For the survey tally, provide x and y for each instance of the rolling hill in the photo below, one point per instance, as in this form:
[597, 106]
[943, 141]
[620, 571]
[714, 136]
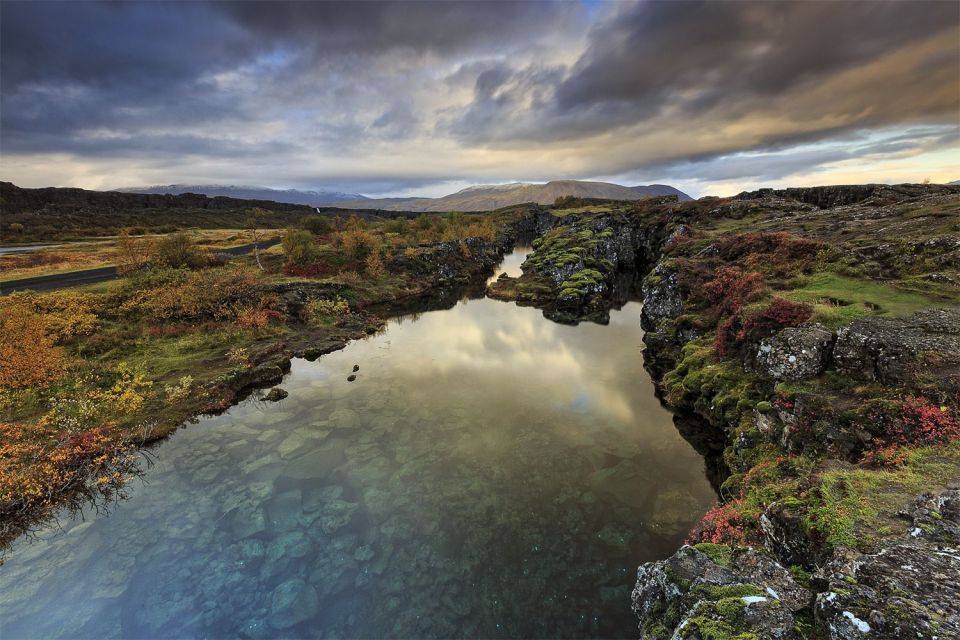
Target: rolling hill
[488, 197]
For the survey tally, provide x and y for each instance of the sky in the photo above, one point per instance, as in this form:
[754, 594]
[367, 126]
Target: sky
[422, 98]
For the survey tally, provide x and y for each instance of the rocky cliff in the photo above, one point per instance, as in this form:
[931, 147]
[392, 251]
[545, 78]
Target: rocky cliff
[812, 336]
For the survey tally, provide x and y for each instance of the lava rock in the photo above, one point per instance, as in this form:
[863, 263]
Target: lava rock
[899, 350]
[794, 353]
[291, 603]
[275, 394]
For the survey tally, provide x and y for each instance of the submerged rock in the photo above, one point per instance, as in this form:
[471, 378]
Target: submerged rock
[291, 603]
[275, 394]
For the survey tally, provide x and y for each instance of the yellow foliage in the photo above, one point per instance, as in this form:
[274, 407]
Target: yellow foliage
[66, 314]
[28, 357]
[374, 265]
[210, 293]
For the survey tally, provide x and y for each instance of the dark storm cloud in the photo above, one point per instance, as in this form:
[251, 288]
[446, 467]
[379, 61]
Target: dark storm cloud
[723, 60]
[71, 67]
[401, 94]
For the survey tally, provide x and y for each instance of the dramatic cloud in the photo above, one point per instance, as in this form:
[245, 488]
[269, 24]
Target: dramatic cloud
[396, 96]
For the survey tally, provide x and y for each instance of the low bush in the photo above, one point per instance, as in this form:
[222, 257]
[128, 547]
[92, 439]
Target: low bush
[321, 311]
[298, 247]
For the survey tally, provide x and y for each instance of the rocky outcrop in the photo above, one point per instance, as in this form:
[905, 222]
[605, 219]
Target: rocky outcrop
[908, 588]
[711, 591]
[830, 196]
[900, 350]
[794, 353]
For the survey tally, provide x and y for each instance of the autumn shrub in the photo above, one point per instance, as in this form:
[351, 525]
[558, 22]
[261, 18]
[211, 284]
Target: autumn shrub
[177, 250]
[924, 422]
[75, 445]
[250, 318]
[180, 391]
[298, 247]
[742, 329]
[373, 265]
[358, 243]
[167, 330]
[778, 252]
[731, 288]
[239, 357]
[779, 314]
[318, 225]
[28, 355]
[66, 314]
[197, 295]
[321, 311]
[38, 466]
[133, 254]
[723, 524]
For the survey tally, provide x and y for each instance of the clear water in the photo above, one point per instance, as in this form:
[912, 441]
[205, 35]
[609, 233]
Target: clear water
[488, 474]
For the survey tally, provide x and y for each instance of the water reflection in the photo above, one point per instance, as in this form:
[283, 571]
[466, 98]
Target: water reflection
[489, 474]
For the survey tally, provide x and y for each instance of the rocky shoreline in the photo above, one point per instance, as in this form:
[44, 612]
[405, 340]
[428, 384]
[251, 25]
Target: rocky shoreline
[819, 410]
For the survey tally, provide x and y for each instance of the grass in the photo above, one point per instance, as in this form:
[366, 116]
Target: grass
[858, 506]
[560, 213]
[838, 300]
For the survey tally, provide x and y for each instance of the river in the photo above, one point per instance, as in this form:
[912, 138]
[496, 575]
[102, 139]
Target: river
[488, 474]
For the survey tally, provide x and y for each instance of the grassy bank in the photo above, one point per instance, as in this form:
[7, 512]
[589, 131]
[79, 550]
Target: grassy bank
[87, 376]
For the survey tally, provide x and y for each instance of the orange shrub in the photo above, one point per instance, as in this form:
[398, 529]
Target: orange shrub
[28, 357]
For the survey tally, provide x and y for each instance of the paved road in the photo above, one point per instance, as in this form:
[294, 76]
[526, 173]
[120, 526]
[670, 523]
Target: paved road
[101, 274]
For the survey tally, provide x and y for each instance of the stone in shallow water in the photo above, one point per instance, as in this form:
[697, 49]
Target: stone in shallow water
[615, 536]
[284, 510]
[363, 553]
[344, 418]
[248, 520]
[334, 515]
[291, 603]
[672, 511]
[289, 545]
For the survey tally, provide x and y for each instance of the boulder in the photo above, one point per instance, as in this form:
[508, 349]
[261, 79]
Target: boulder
[662, 298]
[710, 590]
[291, 603]
[794, 353]
[275, 394]
[899, 350]
[907, 588]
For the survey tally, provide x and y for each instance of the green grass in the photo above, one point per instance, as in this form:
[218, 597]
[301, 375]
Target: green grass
[560, 213]
[838, 300]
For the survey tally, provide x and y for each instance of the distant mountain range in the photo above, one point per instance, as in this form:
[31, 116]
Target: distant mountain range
[480, 198]
[291, 196]
[487, 197]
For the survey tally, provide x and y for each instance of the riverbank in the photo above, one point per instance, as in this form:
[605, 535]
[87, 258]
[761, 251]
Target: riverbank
[91, 375]
[815, 334]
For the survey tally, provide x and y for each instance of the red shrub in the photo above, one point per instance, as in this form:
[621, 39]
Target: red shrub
[723, 524]
[731, 288]
[887, 456]
[778, 252]
[779, 314]
[726, 335]
[926, 423]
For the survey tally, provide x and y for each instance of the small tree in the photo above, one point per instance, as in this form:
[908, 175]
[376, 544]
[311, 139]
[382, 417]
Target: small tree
[298, 247]
[178, 250]
[132, 254]
[254, 219]
[318, 225]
